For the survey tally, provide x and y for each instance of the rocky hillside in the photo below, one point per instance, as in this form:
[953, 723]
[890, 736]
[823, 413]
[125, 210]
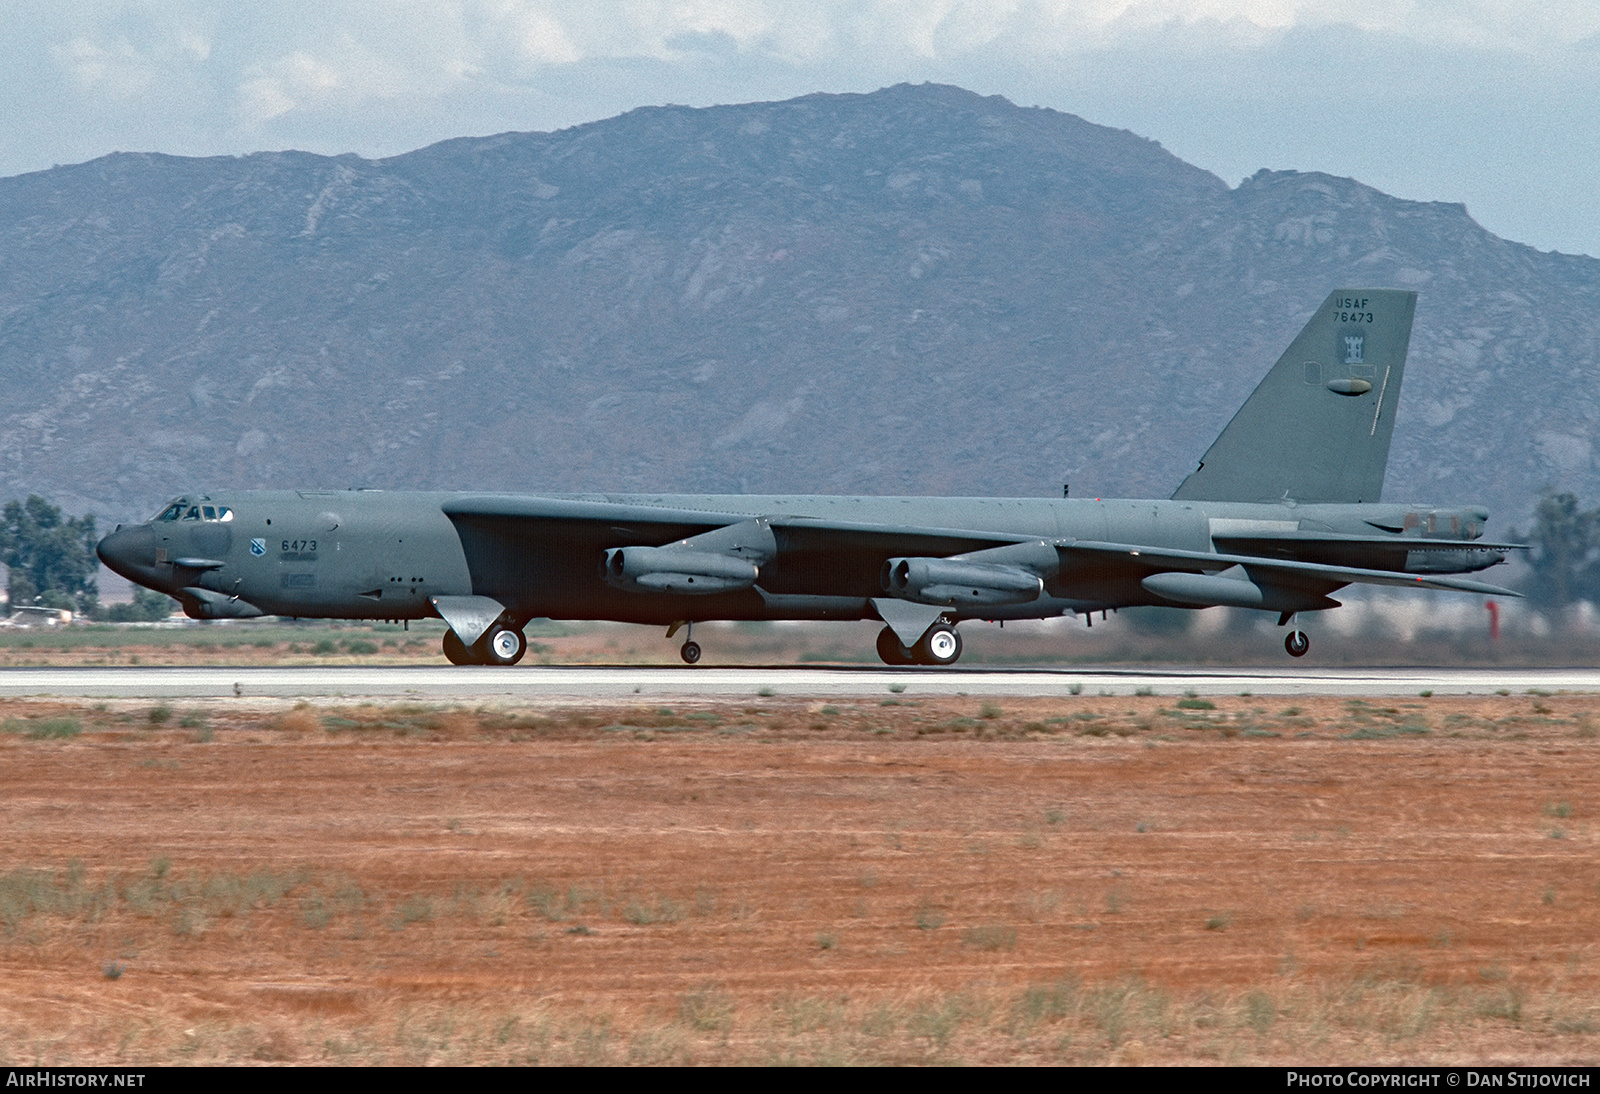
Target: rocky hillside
[915, 291]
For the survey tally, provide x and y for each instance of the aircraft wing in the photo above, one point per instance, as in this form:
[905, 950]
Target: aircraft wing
[589, 510]
[502, 536]
[817, 555]
[627, 517]
[1158, 559]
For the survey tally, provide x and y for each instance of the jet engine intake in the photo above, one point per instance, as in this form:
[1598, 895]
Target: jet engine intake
[671, 570]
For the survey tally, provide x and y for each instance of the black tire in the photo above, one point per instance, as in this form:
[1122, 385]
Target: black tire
[500, 645]
[1297, 644]
[891, 651]
[940, 646]
[690, 653]
[456, 651]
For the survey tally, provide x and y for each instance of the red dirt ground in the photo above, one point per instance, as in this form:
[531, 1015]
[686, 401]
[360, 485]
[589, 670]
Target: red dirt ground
[1079, 880]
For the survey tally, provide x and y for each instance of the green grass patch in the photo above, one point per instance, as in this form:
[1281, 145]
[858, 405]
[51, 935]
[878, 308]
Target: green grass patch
[991, 937]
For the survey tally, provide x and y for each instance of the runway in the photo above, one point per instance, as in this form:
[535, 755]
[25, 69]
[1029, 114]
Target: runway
[565, 684]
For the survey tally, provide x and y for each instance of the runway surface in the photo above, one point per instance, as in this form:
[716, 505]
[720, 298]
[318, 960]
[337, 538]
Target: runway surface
[605, 683]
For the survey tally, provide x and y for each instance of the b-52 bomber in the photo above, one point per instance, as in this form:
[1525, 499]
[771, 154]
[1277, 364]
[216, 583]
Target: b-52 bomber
[1282, 512]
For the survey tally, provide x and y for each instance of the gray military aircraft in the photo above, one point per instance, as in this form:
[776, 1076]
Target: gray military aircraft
[1282, 512]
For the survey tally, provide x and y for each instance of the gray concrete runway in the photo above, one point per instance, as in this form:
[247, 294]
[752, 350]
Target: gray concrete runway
[584, 683]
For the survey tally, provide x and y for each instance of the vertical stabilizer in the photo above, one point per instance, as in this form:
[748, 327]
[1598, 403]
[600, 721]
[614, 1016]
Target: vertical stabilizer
[1317, 429]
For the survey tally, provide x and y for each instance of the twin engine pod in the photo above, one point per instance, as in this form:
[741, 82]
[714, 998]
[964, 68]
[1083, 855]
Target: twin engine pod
[670, 570]
[951, 582]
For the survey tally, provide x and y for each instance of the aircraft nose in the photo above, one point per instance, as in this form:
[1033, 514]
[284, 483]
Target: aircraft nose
[131, 552]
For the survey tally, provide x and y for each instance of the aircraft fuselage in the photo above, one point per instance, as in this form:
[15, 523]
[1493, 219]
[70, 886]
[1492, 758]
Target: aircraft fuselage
[382, 555]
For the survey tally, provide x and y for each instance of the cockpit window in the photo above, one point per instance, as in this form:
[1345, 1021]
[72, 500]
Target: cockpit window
[182, 511]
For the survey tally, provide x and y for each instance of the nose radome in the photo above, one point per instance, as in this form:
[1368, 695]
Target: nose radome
[129, 550]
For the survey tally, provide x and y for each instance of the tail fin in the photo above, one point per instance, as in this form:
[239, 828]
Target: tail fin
[1317, 429]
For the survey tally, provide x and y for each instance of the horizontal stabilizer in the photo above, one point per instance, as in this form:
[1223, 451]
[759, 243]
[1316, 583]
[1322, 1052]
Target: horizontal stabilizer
[1162, 558]
[1460, 585]
[1341, 539]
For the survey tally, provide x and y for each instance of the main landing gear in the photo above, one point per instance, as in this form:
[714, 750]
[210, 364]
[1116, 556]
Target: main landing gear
[941, 645]
[499, 645]
[891, 652]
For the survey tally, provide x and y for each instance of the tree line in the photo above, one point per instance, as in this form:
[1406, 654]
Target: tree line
[50, 563]
[1563, 553]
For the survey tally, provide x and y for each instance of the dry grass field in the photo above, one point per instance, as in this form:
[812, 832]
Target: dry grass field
[1084, 880]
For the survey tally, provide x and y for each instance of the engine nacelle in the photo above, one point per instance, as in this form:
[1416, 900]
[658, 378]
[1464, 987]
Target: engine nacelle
[670, 570]
[952, 582]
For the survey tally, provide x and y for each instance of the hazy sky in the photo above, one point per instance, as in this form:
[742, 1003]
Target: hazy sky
[1495, 103]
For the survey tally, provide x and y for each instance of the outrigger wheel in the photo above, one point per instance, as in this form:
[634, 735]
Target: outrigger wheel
[1297, 644]
[690, 650]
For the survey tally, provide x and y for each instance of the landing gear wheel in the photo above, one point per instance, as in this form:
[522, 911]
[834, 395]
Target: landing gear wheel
[501, 646]
[940, 646]
[1297, 644]
[690, 653]
[891, 651]
[456, 651]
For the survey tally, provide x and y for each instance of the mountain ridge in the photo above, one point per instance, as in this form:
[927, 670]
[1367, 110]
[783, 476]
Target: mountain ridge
[974, 297]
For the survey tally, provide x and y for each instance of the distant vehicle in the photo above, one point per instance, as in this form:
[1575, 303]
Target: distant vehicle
[31, 615]
[1282, 512]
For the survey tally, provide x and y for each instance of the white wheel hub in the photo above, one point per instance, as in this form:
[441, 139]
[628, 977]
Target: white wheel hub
[942, 644]
[505, 645]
